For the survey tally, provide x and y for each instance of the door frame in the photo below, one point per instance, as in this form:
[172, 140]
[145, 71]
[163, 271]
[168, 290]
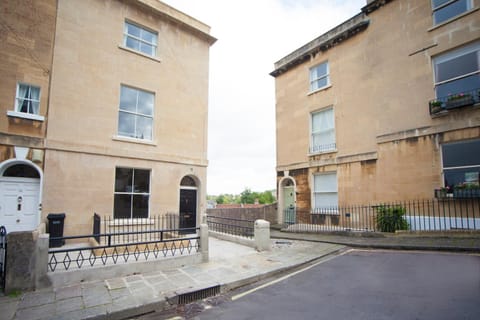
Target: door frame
[196, 189]
[281, 207]
[11, 162]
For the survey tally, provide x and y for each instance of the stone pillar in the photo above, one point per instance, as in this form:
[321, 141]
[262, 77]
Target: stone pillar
[27, 259]
[41, 263]
[262, 235]
[204, 242]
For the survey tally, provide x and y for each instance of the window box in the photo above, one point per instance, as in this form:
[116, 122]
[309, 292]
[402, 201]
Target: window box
[458, 101]
[466, 193]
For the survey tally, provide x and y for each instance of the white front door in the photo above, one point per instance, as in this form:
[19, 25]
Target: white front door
[19, 203]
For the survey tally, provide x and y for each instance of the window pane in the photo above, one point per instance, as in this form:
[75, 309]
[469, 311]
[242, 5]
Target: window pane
[132, 43]
[320, 71]
[123, 180]
[458, 154]
[145, 103]
[463, 85]
[147, 49]
[142, 181]
[149, 37]
[320, 83]
[128, 99]
[437, 3]
[326, 200]
[458, 66]
[126, 124]
[325, 182]
[144, 128]
[35, 93]
[23, 105]
[122, 206]
[455, 177]
[133, 30]
[140, 206]
[450, 11]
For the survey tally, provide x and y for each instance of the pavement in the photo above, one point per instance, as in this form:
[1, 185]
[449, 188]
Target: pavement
[230, 266]
[468, 241]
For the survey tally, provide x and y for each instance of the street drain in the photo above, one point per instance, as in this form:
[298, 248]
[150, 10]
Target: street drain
[186, 298]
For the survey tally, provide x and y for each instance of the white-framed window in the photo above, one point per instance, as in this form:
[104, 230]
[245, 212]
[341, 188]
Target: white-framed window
[140, 39]
[457, 71]
[322, 131]
[132, 193]
[27, 99]
[325, 190]
[319, 76]
[461, 163]
[444, 10]
[135, 117]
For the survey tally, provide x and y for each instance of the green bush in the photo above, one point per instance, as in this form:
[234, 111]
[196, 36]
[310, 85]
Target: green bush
[390, 219]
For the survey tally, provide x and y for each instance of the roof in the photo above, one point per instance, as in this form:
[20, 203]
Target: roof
[340, 33]
[178, 17]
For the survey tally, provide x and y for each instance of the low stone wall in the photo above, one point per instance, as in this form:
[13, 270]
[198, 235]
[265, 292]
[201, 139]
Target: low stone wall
[260, 241]
[267, 212]
[27, 263]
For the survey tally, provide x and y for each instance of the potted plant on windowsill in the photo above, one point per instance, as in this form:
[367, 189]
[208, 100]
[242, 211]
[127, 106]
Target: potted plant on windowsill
[443, 192]
[459, 100]
[467, 190]
[435, 106]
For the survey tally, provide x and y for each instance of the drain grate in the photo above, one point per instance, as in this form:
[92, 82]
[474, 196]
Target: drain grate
[186, 298]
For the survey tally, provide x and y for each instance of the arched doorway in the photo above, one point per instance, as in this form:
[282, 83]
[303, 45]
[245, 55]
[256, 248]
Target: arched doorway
[188, 204]
[20, 196]
[287, 200]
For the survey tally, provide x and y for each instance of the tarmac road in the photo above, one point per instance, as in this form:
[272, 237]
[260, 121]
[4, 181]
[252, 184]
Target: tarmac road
[364, 284]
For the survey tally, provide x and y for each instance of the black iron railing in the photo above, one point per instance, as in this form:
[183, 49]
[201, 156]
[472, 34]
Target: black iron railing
[3, 257]
[454, 101]
[122, 247]
[421, 215]
[237, 227]
[126, 230]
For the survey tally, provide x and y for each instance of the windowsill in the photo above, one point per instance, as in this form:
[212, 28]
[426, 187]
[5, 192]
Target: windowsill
[139, 53]
[466, 13]
[311, 154]
[133, 140]
[319, 89]
[24, 115]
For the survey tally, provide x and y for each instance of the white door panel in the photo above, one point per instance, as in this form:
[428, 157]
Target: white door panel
[19, 204]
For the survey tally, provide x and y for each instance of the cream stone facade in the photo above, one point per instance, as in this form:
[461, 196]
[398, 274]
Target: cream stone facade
[128, 95]
[27, 31]
[380, 75]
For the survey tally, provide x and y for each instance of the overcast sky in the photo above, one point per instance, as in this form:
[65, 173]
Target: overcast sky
[252, 35]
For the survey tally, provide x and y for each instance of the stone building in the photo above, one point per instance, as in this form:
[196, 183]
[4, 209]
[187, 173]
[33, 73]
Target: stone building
[122, 125]
[383, 107]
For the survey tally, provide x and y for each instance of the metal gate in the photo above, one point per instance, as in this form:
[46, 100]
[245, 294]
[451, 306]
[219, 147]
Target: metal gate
[3, 256]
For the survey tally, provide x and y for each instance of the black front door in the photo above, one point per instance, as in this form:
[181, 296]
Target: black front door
[188, 209]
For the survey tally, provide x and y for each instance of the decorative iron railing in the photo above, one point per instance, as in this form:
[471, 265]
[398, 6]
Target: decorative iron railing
[421, 215]
[453, 101]
[237, 227]
[122, 247]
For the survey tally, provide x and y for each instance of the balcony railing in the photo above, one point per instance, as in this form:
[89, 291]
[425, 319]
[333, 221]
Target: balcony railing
[454, 101]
